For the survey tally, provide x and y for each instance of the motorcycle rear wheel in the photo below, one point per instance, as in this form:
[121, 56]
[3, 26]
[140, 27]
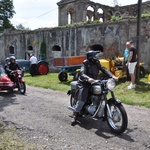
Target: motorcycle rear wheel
[119, 121]
[22, 87]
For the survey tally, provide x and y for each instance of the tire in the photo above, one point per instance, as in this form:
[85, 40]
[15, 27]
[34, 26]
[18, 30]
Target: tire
[73, 101]
[76, 75]
[62, 76]
[42, 68]
[142, 72]
[22, 87]
[119, 121]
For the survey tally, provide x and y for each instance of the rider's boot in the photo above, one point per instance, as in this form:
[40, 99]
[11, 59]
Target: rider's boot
[74, 119]
[76, 110]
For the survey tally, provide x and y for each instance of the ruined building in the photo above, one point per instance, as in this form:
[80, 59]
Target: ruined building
[76, 33]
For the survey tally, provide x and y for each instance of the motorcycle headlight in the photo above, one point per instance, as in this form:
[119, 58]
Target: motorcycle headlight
[110, 84]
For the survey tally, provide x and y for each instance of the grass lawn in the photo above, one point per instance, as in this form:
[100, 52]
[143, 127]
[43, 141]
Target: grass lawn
[139, 96]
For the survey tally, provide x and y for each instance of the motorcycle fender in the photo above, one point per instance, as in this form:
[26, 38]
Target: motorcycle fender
[115, 101]
[69, 92]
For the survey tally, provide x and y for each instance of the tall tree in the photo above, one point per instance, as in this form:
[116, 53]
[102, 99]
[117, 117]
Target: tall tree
[6, 13]
[21, 27]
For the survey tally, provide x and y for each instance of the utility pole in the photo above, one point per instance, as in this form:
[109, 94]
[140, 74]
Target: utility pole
[138, 36]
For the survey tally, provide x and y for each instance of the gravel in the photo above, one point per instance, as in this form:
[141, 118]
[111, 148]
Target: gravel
[41, 116]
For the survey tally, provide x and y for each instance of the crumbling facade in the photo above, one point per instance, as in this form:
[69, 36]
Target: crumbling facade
[74, 11]
[78, 39]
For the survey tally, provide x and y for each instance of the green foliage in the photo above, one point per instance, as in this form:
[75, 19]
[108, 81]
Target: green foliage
[114, 18]
[21, 27]
[139, 96]
[81, 23]
[49, 81]
[43, 50]
[6, 13]
[145, 15]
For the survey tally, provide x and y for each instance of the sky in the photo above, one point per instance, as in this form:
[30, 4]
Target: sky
[36, 14]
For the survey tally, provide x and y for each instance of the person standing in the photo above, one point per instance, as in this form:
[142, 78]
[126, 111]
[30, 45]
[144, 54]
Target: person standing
[131, 63]
[125, 60]
[33, 63]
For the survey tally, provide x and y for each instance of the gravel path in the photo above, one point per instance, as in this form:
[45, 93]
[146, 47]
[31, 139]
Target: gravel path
[42, 117]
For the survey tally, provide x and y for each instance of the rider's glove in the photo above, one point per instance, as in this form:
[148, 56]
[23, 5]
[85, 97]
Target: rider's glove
[11, 72]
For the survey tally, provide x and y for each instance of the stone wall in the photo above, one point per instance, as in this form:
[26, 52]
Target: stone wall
[77, 40]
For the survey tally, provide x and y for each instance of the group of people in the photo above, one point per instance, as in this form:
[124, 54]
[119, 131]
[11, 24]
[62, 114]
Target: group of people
[90, 70]
[88, 73]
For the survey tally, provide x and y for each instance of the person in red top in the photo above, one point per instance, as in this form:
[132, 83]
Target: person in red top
[131, 63]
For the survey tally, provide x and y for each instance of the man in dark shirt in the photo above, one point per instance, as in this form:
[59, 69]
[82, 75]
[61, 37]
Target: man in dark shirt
[131, 63]
[88, 73]
[12, 67]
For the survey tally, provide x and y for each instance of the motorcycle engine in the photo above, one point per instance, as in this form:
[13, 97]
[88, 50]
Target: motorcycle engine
[94, 102]
[91, 109]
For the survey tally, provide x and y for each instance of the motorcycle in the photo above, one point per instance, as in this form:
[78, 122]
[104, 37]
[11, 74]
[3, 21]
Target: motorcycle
[7, 84]
[99, 106]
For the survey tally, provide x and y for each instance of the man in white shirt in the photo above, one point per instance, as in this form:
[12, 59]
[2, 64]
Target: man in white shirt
[33, 63]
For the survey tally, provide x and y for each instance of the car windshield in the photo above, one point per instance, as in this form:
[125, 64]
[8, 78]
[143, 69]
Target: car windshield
[2, 71]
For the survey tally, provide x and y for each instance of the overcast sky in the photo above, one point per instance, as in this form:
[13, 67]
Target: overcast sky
[44, 13]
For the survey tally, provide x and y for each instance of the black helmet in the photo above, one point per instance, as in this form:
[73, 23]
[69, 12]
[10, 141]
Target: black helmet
[90, 55]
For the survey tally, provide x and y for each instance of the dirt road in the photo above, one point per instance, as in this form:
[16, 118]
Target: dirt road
[42, 117]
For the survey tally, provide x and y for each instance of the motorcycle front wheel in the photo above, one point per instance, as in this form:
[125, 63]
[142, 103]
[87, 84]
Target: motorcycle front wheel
[118, 120]
[73, 101]
[22, 87]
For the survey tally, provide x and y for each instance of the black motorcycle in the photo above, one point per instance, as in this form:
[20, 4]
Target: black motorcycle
[99, 105]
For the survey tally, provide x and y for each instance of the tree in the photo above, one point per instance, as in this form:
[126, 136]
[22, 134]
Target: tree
[6, 13]
[43, 50]
[21, 27]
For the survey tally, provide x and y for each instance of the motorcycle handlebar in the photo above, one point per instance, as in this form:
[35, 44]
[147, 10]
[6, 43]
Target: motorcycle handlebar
[101, 81]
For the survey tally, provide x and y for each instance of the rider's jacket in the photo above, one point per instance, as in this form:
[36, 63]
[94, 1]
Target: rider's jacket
[90, 69]
[12, 67]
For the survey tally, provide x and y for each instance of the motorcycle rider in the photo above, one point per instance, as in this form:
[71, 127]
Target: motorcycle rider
[12, 66]
[88, 73]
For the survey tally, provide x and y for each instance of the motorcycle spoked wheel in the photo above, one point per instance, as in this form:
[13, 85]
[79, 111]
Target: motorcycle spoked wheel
[22, 87]
[73, 101]
[119, 121]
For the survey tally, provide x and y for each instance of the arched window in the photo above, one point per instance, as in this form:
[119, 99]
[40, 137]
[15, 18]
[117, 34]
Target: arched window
[70, 15]
[69, 18]
[100, 14]
[11, 50]
[30, 48]
[56, 48]
[90, 13]
[96, 47]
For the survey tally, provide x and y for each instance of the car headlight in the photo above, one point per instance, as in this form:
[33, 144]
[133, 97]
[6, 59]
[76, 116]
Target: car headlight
[111, 84]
